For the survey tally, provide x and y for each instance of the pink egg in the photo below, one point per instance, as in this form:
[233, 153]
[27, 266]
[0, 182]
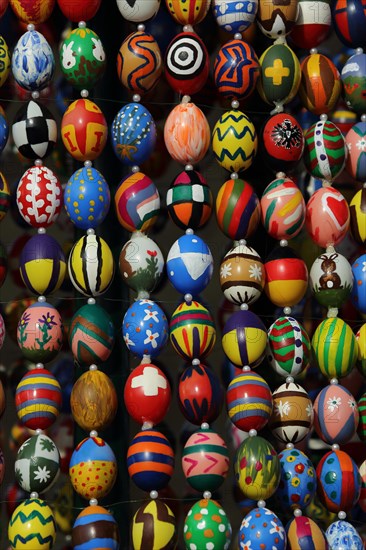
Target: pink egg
[356, 145]
[327, 217]
[335, 415]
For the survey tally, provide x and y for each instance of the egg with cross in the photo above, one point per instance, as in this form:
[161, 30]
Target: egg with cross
[331, 279]
[5, 63]
[93, 524]
[244, 339]
[81, 11]
[320, 84]
[276, 19]
[37, 464]
[283, 142]
[192, 330]
[335, 414]
[280, 74]
[206, 523]
[313, 23]
[325, 150]
[339, 481]
[353, 76]
[327, 217]
[264, 526]
[138, 11]
[289, 347]
[32, 521]
[349, 19]
[356, 146]
[141, 263]
[145, 328]
[188, 14]
[32, 62]
[154, 526]
[233, 16]
[359, 288]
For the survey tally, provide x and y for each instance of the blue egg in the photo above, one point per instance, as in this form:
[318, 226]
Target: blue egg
[298, 480]
[87, 198]
[133, 134]
[32, 62]
[4, 132]
[145, 328]
[358, 295]
[234, 15]
[341, 534]
[263, 529]
[189, 264]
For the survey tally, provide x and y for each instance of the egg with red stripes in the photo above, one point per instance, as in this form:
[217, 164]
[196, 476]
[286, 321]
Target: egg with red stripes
[339, 481]
[289, 347]
[325, 150]
[303, 533]
[349, 21]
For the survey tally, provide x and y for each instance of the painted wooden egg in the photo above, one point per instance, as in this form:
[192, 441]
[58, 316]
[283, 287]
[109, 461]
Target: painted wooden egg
[187, 134]
[298, 480]
[320, 86]
[5, 61]
[190, 14]
[200, 394]
[84, 130]
[356, 146]
[237, 209]
[244, 339]
[189, 200]
[286, 277]
[38, 399]
[344, 119]
[139, 62]
[93, 468]
[192, 330]
[32, 62]
[34, 11]
[138, 11]
[354, 82]
[280, 74]
[90, 265]
[4, 196]
[331, 279]
[145, 328]
[95, 524]
[325, 150]
[207, 524]
[133, 134]
[37, 464]
[335, 415]
[32, 525]
[82, 58]
[339, 481]
[276, 19]
[39, 196]
[349, 21]
[137, 202]
[327, 217]
[233, 16]
[83, 10]
[2, 332]
[341, 534]
[87, 198]
[154, 527]
[313, 23]
[359, 288]
[303, 533]
[362, 500]
[141, 263]
[234, 141]
[335, 348]
[263, 526]
[361, 341]
[283, 142]
[289, 347]
[34, 130]
[42, 264]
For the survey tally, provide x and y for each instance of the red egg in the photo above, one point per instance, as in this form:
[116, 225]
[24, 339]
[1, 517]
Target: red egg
[3, 6]
[81, 10]
[283, 142]
[313, 23]
[33, 11]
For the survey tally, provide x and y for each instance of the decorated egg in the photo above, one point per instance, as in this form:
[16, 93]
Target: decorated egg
[4, 196]
[145, 328]
[234, 141]
[133, 134]
[286, 277]
[283, 141]
[325, 150]
[331, 279]
[298, 480]
[339, 481]
[200, 394]
[312, 25]
[341, 534]
[320, 84]
[344, 119]
[237, 209]
[32, 525]
[93, 524]
[192, 330]
[2, 331]
[84, 130]
[141, 263]
[354, 82]
[356, 146]
[327, 217]
[303, 533]
[280, 74]
[362, 500]
[276, 19]
[5, 61]
[190, 14]
[37, 464]
[189, 200]
[40, 332]
[36, 11]
[2, 466]
[349, 19]
[206, 523]
[335, 415]
[361, 342]
[289, 348]
[4, 134]
[2, 400]
[42, 264]
[233, 16]
[359, 288]
[264, 528]
[244, 339]
[3, 265]
[153, 527]
[34, 130]
[139, 10]
[137, 202]
[335, 348]
[358, 216]
[187, 134]
[236, 69]
[3, 7]
[90, 265]
[38, 399]
[32, 62]
[82, 11]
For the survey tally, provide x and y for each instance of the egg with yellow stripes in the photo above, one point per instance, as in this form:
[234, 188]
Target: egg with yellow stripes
[154, 527]
[361, 342]
[32, 525]
[320, 85]
[286, 277]
[188, 13]
[192, 330]
[244, 339]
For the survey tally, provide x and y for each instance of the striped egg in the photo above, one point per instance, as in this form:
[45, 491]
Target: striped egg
[335, 414]
[313, 23]
[286, 277]
[339, 481]
[188, 14]
[361, 342]
[244, 339]
[320, 84]
[289, 348]
[356, 145]
[95, 525]
[303, 533]
[361, 407]
[237, 209]
[349, 19]
[236, 70]
[32, 525]
[192, 330]
[357, 209]
[325, 150]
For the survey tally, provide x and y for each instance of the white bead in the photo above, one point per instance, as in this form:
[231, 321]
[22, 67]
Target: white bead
[30, 27]
[363, 117]
[244, 307]
[234, 176]
[332, 312]
[143, 295]
[90, 231]
[35, 94]
[38, 162]
[342, 515]
[287, 310]
[323, 117]
[289, 380]
[289, 445]
[39, 366]
[186, 99]
[93, 502]
[41, 230]
[335, 447]
[141, 27]
[188, 28]
[136, 98]
[39, 431]
[207, 495]
[238, 36]
[41, 299]
[81, 24]
[246, 368]
[188, 298]
[188, 167]
[283, 242]
[88, 164]
[313, 51]
[333, 381]
[297, 512]
[235, 104]
[84, 94]
[196, 361]
[252, 432]
[147, 425]
[91, 301]
[93, 433]
[280, 175]
[261, 503]
[359, 51]
[205, 426]
[34, 494]
[93, 367]
[189, 231]
[242, 242]
[135, 169]
[154, 495]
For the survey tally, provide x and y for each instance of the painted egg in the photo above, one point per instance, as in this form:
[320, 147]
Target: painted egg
[139, 62]
[237, 209]
[2, 400]
[359, 288]
[303, 533]
[187, 134]
[82, 58]
[320, 86]
[186, 63]
[141, 263]
[138, 11]
[2, 331]
[154, 527]
[331, 279]
[145, 328]
[189, 200]
[298, 480]
[200, 394]
[37, 464]
[354, 82]
[236, 70]
[292, 416]
[87, 198]
[81, 11]
[233, 16]
[313, 23]
[339, 481]
[356, 146]
[344, 119]
[349, 21]
[362, 500]
[32, 525]
[190, 14]
[249, 401]
[192, 330]
[34, 11]
[34, 130]
[361, 342]
[5, 61]
[189, 264]
[286, 277]
[206, 523]
[4, 132]
[90, 265]
[289, 348]
[42, 264]
[280, 74]
[38, 399]
[283, 142]
[39, 196]
[325, 150]
[244, 339]
[84, 130]
[133, 134]
[2, 466]
[335, 415]
[276, 19]
[327, 217]
[32, 62]
[3, 7]
[3, 265]
[264, 528]
[95, 524]
[341, 534]
[137, 202]
[4, 196]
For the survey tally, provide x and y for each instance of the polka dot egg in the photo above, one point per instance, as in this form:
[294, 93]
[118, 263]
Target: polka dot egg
[207, 527]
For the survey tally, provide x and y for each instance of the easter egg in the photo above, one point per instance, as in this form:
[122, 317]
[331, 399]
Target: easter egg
[361, 342]
[335, 415]
[320, 84]
[154, 527]
[3, 264]
[3, 7]
[206, 523]
[32, 525]
[200, 394]
[2, 466]
[289, 348]
[137, 202]
[362, 500]
[5, 61]
[94, 526]
[286, 277]
[38, 399]
[2, 400]
[236, 69]
[40, 332]
[280, 74]
[283, 142]
[339, 481]
[37, 464]
[331, 279]
[356, 146]
[84, 130]
[349, 20]
[4, 132]
[244, 339]
[2, 331]
[4, 196]
[359, 288]
[39, 196]
[87, 198]
[234, 141]
[298, 480]
[81, 11]
[304, 534]
[327, 217]
[34, 130]
[262, 527]
[190, 14]
[313, 23]
[189, 200]
[186, 63]
[233, 16]
[42, 264]
[344, 119]
[237, 209]
[325, 150]
[141, 263]
[189, 264]
[341, 534]
[139, 62]
[138, 11]
[32, 62]
[133, 134]
[354, 82]
[192, 330]
[145, 328]
[90, 265]
[187, 134]
[34, 11]
[276, 19]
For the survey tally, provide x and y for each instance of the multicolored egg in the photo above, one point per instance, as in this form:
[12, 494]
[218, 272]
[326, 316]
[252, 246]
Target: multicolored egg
[190, 14]
[192, 330]
[286, 277]
[361, 341]
[335, 415]
[141, 263]
[298, 480]
[344, 119]
[313, 23]
[4, 196]
[320, 84]
[95, 525]
[32, 525]
[276, 19]
[331, 279]
[325, 150]
[35, 12]
[2, 331]
[362, 500]
[233, 16]
[145, 328]
[34, 130]
[37, 464]
[356, 147]
[303, 534]
[200, 394]
[339, 481]
[280, 74]
[283, 142]
[4, 131]
[154, 527]
[137, 202]
[189, 200]
[3, 264]
[32, 62]
[206, 523]
[349, 19]
[138, 11]
[327, 217]
[289, 348]
[84, 10]
[354, 82]
[341, 534]
[244, 339]
[236, 70]
[5, 61]
[263, 526]
[359, 288]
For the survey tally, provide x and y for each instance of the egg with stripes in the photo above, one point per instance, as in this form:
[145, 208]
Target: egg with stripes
[244, 339]
[325, 150]
[286, 277]
[312, 25]
[190, 13]
[32, 522]
[237, 209]
[303, 532]
[349, 20]
[289, 347]
[236, 69]
[192, 330]
[339, 481]
[95, 525]
[320, 86]
[154, 527]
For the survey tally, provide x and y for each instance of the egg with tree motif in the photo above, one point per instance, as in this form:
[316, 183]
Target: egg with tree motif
[189, 200]
[356, 146]
[154, 527]
[32, 62]
[339, 481]
[37, 464]
[40, 332]
[206, 523]
[138, 11]
[233, 16]
[276, 19]
[35, 11]
[33, 522]
[283, 142]
[358, 216]
[81, 11]
[141, 263]
[192, 330]
[145, 328]
[236, 69]
[95, 524]
[349, 20]
[331, 279]
[313, 23]
[237, 209]
[320, 86]
[335, 415]
[34, 130]
[303, 533]
[327, 217]
[280, 74]
[325, 150]
[289, 347]
[354, 82]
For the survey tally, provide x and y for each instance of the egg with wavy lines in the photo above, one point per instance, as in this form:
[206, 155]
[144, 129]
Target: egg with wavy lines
[32, 11]
[342, 534]
[236, 70]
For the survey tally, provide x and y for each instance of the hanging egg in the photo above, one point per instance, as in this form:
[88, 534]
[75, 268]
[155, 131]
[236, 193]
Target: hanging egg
[2, 405]
[145, 328]
[356, 146]
[236, 70]
[2, 335]
[5, 61]
[4, 133]
[286, 277]
[192, 330]
[320, 86]
[33, 522]
[303, 533]
[190, 14]
[276, 19]
[349, 21]
[83, 10]
[312, 25]
[32, 62]
[189, 200]
[4, 196]
[341, 534]
[233, 16]
[138, 11]
[3, 265]
[200, 394]
[34, 130]
[325, 150]
[280, 74]
[187, 134]
[361, 341]
[137, 202]
[359, 288]
[234, 141]
[37, 464]
[331, 279]
[35, 11]
[335, 415]
[95, 524]
[327, 217]
[206, 523]
[237, 209]
[2, 466]
[141, 263]
[344, 119]
[262, 525]
[244, 339]
[298, 480]
[3, 7]
[354, 82]
[153, 527]
[362, 500]
[283, 142]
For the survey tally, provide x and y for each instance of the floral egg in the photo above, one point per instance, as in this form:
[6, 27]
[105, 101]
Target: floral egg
[335, 415]
[141, 263]
[289, 347]
[153, 526]
[325, 150]
[33, 522]
[145, 328]
[320, 84]
[190, 14]
[36, 11]
[236, 69]
[339, 481]
[139, 10]
[261, 524]
[283, 142]
[313, 23]
[327, 217]
[192, 330]
[286, 277]
[32, 62]
[280, 74]
[233, 16]
[356, 146]
[200, 394]
[361, 341]
[354, 82]
[331, 279]
[359, 288]
[244, 339]
[83, 10]
[341, 534]
[37, 464]
[302, 532]
[237, 209]
[95, 523]
[4, 196]
[34, 130]
[5, 61]
[349, 20]
[276, 19]
[298, 480]
[189, 200]
[206, 523]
